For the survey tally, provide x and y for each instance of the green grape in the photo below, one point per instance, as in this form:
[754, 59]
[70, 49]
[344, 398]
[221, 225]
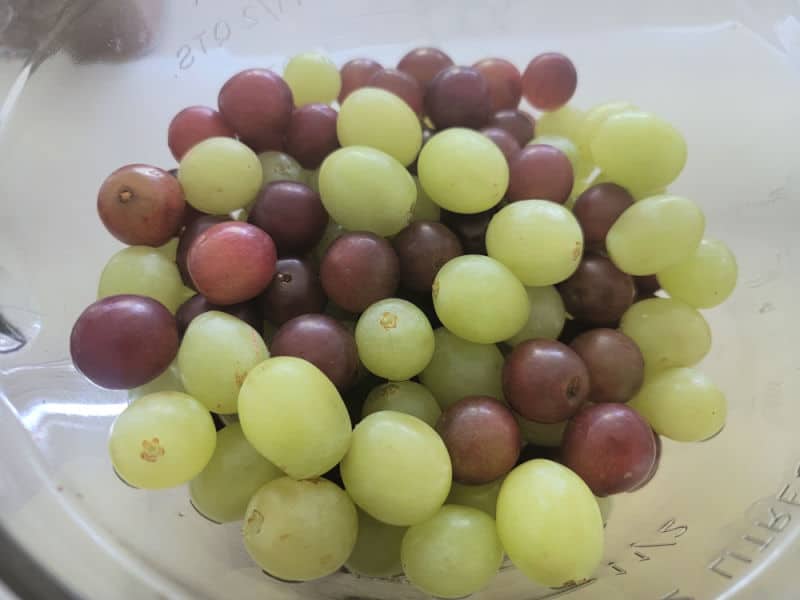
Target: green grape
[580, 185]
[463, 171]
[453, 554]
[639, 150]
[312, 77]
[580, 166]
[407, 397]
[170, 249]
[541, 434]
[567, 122]
[364, 189]
[235, 472]
[394, 339]
[219, 175]
[300, 530]
[540, 241]
[397, 469]
[655, 233]
[682, 404]
[379, 119]
[460, 368]
[642, 195]
[293, 415]
[549, 523]
[168, 381]
[483, 497]
[670, 333]
[277, 166]
[311, 179]
[162, 440]
[217, 352]
[593, 119]
[705, 279]
[377, 550]
[332, 232]
[425, 209]
[546, 315]
[144, 271]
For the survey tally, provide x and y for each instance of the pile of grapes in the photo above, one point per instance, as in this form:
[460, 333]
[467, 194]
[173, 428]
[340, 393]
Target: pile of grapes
[476, 289]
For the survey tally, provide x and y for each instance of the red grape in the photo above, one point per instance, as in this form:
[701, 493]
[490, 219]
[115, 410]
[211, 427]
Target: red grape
[249, 312]
[516, 122]
[355, 74]
[615, 364]
[598, 292]
[549, 81]
[295, 290]
[423, 248]
[505, 82]
[654, 470]
[540, 172]
[646, 286]
[423, 64]
[458, 97]
[508, 145]
[189, 235]
[598, 208]
[312, 134]
[193, 125]
[400, 84]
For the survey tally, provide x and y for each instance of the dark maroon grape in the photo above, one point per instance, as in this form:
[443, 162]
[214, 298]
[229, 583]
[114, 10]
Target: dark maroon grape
[193, 125]
[549, 81]
[355, 74]
[505, 82]
[598, 292]
[295, 290]
[190, 215]
[249, 312]
[610, 447]
[423, 64]
[656, 464]
[359, 269]
[516, 122]
[598, 208]
[292, 214]
[122, 342]
[646, 286]
[322, 341]
[423, 248]
[572, 329]
[505, 141]
[540, 172]
[615, 364]
[470, 229]
[312, 134]
[458, 97]
[545, 381]
[189, 235]
[400, 84]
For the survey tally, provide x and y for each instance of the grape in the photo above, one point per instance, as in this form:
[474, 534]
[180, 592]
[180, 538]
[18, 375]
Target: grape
[170, 249]
[540, 241]
[295, 290]
[505, 82]
[423, 64]
[379, 119]
[162, 440]
[460, 368]
[470, 229]
[458, 97]
[189, 235]
[540, 172]
[639, 151]
[397, 468]
[377, 551]
[572, 329]
[313, 78]
[516, 122]
[142, 271]
[425, 209]
[300, 530]
[193, 125]
[423, 248]
[646, 286]
[542, 504]
[482, 437]
[669, 332]
[703, 280]
[598, 208]
[292, 214]
[358, 270]
[607, 508]
[483, 497]
[453, 554]
[365, 189]
[549, 81]
[217, 352]
[292, 414]
[312, 134]
[394, 339]
[355, 74]
[249, 312]
[654, 234]
[615, 364]
[594, 118]
[479, 299]
[597, 293]
[277, 166]
[406, 397]
[568, 147]
[545, 381]
[402, 85]
[231, 262]
[235, 472]
[546, 317]
[505, 141]
[682, 404]
[168, 381]
[566, 122]
[546, 435]
[220, 175]
[141, 205]
[333, 231]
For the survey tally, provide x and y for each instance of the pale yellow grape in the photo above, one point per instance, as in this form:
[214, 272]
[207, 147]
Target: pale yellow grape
[655, 233]
[394, 339]
[364, 189]
[567, 122]
[670, 333]
[637, 195]
[460, 368]
[682, 404]
[332, 232]
[425, 209]
[217, 352]
[397, 469]
[540, 241]
[168, 381]
[483, 497]
[162, 440]
[549, 523]
[170, 249]
[580, 166]
[144, 271]
[453, 554]
[463, 171]
[278, 166]
[639, 151]
[705, 279]
[300, 530]
[479, 299]
[377, 550]
[548, 435]
[219, 175]
[312, 77]
[594, 118]
[546, 315]
[407, 397]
